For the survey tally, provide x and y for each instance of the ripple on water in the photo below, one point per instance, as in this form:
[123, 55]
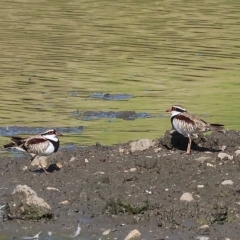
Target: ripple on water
[108, 96]
[17, 130]
[125, 115]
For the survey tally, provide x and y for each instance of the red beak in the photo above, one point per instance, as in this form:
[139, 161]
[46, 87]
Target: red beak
[58, 134]
[169, 110]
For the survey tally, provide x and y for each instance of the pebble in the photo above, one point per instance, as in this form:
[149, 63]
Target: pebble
[52, 188]
[106, 232]
[200, 186]
[237, 152]
[64, 202]
[204, 227]
[141, 145]
[25, 168]
[222, 155]
[227, 182]
[59, 165]
[202, 238]
[223, 147]
[99, 172]
[133, 169]
[187, 197]
[202, 159]
[86, 160]
[72, 159]
[37, 159]
[210, 165]
[121, 150]
[133, 234]
[157, 150]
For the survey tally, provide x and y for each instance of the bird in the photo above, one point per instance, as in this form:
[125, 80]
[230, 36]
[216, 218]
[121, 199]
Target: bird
[188, 124]
[43, 144]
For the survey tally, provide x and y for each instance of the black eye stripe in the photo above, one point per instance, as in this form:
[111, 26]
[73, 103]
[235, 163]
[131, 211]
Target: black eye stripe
[179, 109]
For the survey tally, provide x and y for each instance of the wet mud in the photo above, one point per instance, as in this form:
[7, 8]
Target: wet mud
[111, 188]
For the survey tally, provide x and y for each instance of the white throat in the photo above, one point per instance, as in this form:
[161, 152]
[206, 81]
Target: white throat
[52, 137]
[174, 113]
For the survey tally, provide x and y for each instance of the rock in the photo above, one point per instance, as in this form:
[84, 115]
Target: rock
[156, 150]
[187, 197]
[106, 232]
[204, 227]
[134, 234]
[52, 188]
[202, 159]
[121, 150]
[200, 186]
[141, 145]
[99, 172]
[223, 147]
[222, 156]
[59, 165]
[37, 159]
[86, 160]
[25, 168]
[133, 169]
[72, 159]
[65, 202]
[227, 182]
[202, 238]
[210, 165]
[26, 205]
[237, 152]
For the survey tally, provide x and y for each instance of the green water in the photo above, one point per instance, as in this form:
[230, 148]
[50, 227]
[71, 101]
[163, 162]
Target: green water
[161, 52]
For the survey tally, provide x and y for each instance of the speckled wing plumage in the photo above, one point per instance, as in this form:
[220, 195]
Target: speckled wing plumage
[187, 124]
[35, 144]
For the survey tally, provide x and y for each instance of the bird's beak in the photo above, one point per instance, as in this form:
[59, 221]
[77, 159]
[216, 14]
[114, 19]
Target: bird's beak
[58, 134]
[169, 110]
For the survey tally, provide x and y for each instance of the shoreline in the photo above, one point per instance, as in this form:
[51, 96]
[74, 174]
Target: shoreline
[110, 189]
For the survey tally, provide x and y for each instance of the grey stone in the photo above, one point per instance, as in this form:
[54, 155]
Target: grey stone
[26, 205]
[141, 145]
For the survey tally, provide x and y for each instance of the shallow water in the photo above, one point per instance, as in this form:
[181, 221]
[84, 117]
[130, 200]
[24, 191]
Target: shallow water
[56, 55]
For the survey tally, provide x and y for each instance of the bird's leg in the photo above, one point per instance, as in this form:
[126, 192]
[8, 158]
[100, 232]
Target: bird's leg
[33, 157]
[189, 145]
[40, 164]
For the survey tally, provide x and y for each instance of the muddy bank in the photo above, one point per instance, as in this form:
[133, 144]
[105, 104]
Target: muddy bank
[110, 187]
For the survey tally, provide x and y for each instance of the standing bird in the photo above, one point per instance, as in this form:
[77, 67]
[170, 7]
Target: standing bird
[187, 124]
[44, 144]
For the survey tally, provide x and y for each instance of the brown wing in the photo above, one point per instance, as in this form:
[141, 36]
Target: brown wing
[35, 140]
[194, 123]
[36, 145]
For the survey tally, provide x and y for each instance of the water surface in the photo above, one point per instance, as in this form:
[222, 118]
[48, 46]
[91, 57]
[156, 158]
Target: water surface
[56, 55]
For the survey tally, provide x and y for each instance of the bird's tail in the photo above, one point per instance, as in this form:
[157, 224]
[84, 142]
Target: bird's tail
[9, 145]
[17, 141]
[216, 127]
[15, 144]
